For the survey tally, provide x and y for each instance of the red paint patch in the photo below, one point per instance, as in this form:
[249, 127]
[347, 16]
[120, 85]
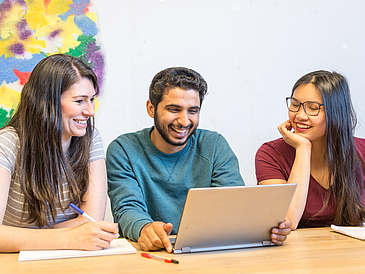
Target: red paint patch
[23, 76]
[86, 10]
[46, 3]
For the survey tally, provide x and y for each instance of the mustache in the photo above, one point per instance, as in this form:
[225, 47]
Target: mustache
[180, 127]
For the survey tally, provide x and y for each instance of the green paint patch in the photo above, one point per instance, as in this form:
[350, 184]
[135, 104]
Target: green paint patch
[83, 49]
[4, 116]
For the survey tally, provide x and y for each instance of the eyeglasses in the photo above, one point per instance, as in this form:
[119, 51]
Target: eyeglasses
[310, 108]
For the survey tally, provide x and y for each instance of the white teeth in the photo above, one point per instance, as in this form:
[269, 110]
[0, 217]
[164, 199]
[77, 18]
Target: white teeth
[302, 126]
[81, 122]
[180, 131]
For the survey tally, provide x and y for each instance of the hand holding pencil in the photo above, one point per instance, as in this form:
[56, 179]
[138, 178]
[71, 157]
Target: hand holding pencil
[92, 235]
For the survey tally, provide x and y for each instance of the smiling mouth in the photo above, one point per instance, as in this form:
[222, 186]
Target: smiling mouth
[180, 130]
[303, 126]
[82, 122]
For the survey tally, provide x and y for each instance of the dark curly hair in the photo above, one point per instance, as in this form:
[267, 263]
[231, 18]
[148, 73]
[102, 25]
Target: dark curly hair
[176, 77]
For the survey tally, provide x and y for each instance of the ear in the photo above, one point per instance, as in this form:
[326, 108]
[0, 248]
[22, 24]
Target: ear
[150, 109]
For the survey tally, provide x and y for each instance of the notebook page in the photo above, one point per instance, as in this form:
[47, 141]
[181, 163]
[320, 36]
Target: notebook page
[117, 247]
[357, 232]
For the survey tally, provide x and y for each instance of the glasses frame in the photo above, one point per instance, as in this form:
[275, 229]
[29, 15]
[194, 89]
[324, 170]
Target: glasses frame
[302, 104]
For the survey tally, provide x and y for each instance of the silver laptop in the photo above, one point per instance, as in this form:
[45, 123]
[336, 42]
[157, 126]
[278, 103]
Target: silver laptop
[220, 218]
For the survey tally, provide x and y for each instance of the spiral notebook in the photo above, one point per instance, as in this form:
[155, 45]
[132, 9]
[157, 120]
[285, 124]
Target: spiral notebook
[117, 247]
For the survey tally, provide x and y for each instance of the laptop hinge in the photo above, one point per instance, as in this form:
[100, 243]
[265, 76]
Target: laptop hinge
[186, 249]
[264, 243]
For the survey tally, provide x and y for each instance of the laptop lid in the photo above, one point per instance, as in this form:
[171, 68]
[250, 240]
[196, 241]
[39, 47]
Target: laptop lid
[219, 218]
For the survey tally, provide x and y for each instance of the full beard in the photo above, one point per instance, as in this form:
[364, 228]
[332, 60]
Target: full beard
[164, 134]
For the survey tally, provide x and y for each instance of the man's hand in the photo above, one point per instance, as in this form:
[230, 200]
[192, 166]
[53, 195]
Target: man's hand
[279, 234]
[154, 236]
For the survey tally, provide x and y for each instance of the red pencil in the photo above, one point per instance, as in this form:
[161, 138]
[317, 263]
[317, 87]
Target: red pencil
[150, 256]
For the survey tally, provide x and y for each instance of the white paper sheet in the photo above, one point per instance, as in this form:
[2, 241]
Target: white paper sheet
[357, 232]
[117, 247]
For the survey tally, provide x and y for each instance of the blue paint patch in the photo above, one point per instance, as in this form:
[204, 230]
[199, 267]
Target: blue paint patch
[1, 1]
[7, 66]
[86, 25]
[77, 8]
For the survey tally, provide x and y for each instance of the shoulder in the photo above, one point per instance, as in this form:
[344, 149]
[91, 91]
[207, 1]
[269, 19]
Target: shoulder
[8, 147]
[126, 149]
[273, 160]
[129, 142]
[209, 144]
[275, 145]
[8, 137]
[9, 133]
[360, 142]
[276, 149]
[96, 136]
[204, 137]
[129, 138]
[96, 149]
[360, 146]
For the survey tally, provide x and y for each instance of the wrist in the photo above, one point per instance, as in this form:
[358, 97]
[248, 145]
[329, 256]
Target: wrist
[65, 238]
[138, 229]
[306, 147]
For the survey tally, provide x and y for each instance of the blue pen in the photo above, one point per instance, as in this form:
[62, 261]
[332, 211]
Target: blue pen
[80, 212]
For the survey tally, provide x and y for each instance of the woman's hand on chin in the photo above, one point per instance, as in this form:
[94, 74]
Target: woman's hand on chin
[291, 138]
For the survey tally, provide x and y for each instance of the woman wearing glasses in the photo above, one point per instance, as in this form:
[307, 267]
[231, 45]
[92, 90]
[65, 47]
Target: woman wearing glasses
[318, 152]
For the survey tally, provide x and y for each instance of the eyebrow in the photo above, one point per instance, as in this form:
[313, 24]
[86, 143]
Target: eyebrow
[85, 96]
[178, 106]
[307, 101]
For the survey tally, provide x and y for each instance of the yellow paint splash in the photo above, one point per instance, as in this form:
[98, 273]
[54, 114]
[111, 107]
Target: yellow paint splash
[58, 6]
[44, 21]
[92, 16]
[30, 45]
[68, 32]
[35, 15]
[8, 24]
[9, 97]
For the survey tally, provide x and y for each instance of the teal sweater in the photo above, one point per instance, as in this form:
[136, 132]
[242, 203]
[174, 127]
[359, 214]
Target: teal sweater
[146, 185]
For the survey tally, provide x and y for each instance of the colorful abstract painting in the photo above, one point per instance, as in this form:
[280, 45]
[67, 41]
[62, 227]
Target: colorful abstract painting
[31, 30]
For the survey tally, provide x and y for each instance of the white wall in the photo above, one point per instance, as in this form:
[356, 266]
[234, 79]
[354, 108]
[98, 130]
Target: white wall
[250, 53]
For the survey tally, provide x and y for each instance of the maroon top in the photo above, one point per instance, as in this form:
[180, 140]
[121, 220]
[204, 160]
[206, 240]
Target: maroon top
[275, 159]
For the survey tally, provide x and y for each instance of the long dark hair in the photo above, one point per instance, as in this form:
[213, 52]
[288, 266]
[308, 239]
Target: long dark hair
[343, 161]
[45, 172]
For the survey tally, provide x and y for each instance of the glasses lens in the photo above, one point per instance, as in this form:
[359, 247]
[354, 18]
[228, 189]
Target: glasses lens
[311, 108]
[292, 104]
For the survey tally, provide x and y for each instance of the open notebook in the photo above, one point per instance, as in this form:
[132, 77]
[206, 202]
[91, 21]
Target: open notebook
[117, 247]
[357, 232]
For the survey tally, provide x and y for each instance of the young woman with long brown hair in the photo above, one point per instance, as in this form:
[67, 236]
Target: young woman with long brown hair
[50, 156]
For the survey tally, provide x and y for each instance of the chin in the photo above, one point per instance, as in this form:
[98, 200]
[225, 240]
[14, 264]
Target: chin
[80, 134]
[304, 135]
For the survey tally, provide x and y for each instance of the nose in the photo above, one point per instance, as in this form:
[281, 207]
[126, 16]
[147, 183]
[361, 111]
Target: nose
[89, 109]
[183, 119]
[301, 115]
